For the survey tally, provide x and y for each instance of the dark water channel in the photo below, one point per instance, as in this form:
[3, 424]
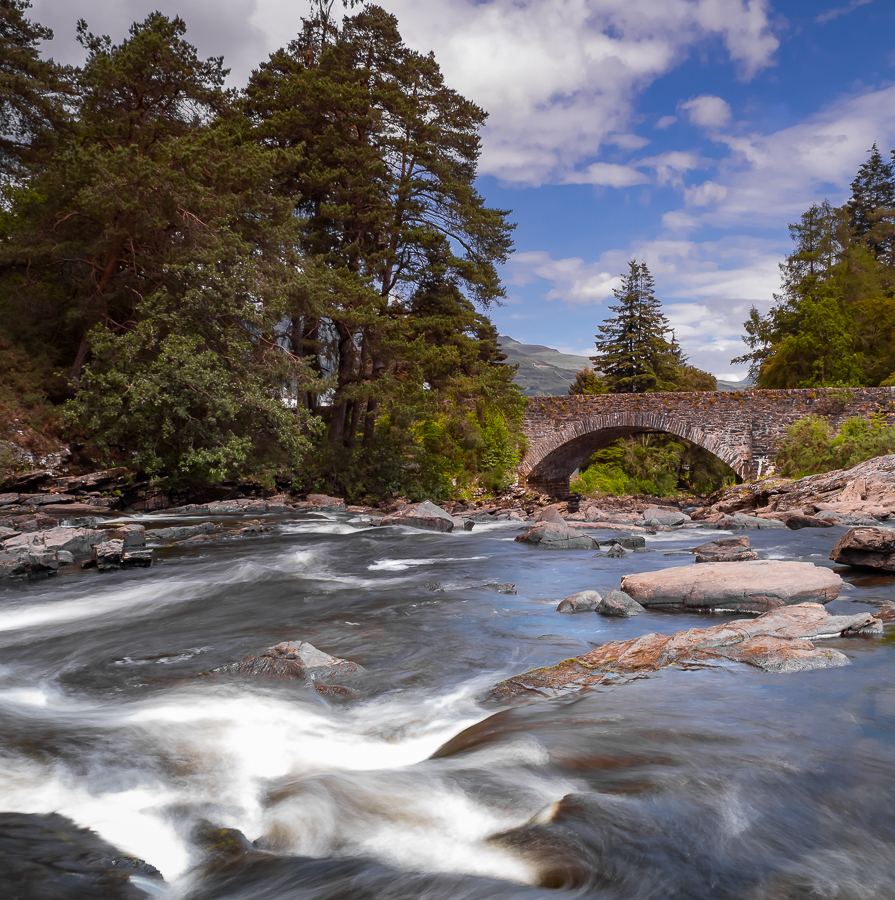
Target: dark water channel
[719, 782]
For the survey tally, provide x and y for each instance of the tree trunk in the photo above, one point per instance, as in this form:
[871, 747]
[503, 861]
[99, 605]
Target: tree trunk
[345, 375]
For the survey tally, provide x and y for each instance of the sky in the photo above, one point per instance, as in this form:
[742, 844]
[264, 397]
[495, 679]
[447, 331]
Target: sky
[684, 133]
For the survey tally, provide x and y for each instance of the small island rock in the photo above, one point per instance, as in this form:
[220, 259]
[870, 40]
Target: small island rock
[756, 586]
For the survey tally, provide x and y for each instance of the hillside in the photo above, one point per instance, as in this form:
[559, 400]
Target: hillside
[542, 370]
[545, 371]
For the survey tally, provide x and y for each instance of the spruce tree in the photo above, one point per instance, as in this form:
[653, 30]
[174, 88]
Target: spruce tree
[871, 209]
[633, 353]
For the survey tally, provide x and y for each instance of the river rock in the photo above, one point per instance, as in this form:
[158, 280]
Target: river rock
[424, 515]
[77, 541]
[111, 555]
[655, 515]
[617, 604]
[551, 536]
[779, 641]
[756, 586]
[133, 536]
[628, 542]
[48, 856]
[732, 549]
[179, 532]
[872, 548]
[290, 659]
[583, 601]
[28, 564]
[507, 587]
[795, 521]
[550, 514]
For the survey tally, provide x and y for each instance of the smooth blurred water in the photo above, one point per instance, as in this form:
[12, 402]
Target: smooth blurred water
[709, 783]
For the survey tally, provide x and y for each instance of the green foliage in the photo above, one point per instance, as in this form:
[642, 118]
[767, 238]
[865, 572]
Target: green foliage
[588, 382]
[224, 277]
[658, 465]
[833, 322]
[812, 446]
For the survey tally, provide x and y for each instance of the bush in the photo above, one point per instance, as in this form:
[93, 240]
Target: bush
[811, 446]
[658, 465]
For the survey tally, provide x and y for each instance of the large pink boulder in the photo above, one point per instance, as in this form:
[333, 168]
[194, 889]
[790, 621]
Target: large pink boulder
[756, 586]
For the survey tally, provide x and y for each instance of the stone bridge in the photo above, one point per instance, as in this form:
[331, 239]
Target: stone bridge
[743, 428]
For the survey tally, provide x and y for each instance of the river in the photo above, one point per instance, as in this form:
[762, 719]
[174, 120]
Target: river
[713, 782]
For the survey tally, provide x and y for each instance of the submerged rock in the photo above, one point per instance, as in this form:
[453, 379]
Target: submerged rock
[732, 549]
[506, 587]
[756, 586]
[289, 659]
[872, 548]
[551, 536]
[628, 542]
[778, 641]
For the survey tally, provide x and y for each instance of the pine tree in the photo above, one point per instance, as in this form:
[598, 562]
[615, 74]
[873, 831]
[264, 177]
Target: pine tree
[633, 353]
[32, 89]
[871, 209]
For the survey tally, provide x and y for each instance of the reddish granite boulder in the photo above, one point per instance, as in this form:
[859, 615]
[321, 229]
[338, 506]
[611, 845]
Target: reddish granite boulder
[756, 586]
[778, 641]
[872, 548]
[732, 549]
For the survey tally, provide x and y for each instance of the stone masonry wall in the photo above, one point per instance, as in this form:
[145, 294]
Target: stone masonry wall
[743, 428]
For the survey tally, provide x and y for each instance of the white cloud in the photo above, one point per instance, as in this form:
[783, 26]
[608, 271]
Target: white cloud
[665, 122]
[608, 174]
[705, 194]
[775, 177]
[671, 166]
[707, 111]
[706, 288]
[575, 282]
[558, 77]
[834, 13]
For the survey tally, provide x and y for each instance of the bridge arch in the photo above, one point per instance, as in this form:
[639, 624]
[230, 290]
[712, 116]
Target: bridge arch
[549, 463]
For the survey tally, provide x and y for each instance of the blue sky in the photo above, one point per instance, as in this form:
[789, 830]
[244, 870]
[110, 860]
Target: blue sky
[686, 133]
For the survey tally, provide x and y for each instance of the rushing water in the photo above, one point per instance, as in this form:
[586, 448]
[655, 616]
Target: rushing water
[717, 782]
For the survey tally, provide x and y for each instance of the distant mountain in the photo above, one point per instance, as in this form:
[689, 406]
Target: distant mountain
[544, 371]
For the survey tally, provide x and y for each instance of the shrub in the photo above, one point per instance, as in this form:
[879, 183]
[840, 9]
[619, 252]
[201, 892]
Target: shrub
[811, 446]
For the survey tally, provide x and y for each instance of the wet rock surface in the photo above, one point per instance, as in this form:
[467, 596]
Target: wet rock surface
[872, 548]
[756, 586]
[777, 641]
[290, 659]
[553, 536]
[47, 857]
[733, 549]
[424, 515]
[583, 601]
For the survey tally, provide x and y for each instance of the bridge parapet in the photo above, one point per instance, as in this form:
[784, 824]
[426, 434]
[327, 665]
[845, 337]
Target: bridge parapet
[743, 428]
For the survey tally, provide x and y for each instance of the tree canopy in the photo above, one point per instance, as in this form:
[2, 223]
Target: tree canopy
[221, 277]
[833, 322]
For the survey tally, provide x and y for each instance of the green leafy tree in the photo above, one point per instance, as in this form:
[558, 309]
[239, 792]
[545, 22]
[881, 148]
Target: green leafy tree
[633, 352]
[871, 208]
